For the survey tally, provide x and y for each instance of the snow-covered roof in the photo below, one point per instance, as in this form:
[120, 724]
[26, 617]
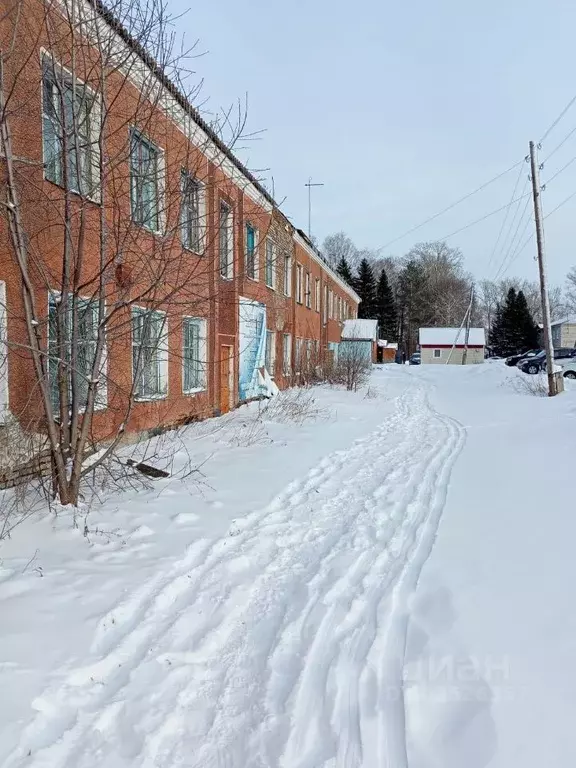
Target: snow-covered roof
[430, 337]
[360, 329]
[566, 321]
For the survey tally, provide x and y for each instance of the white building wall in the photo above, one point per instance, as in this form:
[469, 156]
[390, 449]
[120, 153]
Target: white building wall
[428, 356]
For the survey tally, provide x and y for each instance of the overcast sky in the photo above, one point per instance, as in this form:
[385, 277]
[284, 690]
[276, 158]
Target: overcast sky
[400, 109]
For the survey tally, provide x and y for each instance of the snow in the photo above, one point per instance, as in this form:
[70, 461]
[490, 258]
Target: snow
[430, 337]
[360, 329]
[386, 584]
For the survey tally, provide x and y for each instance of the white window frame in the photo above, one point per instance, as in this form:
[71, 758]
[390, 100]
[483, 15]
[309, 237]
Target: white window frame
[94, 127]
[308, 289]
[270, 261]
[299, 286]
[437, 354]
[162, 351]
[186, 177]
[4, 391]
[270, 352]
[137, 134]
[287, 287]
[101, 401]
[256, 275]
[317, 294]
[228, 272]
[286, 354]
[325, 312]
[331, 304]
[202, 353]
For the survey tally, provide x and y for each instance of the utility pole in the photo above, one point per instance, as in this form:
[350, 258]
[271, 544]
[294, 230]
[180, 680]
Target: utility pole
[468, 323]
[309, 184]
[537, 195]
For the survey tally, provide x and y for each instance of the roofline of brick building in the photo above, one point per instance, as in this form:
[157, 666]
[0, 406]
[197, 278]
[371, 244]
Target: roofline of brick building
[193, 113]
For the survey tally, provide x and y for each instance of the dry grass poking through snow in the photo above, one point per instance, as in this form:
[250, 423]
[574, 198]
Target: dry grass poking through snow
[535, 385]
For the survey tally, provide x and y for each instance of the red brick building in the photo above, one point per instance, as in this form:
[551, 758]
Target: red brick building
[189, 279]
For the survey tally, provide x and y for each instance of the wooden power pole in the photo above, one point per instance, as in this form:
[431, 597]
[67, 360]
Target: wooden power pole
[546, 320]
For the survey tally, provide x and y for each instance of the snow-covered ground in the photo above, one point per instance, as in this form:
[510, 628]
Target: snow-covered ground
[389, 584]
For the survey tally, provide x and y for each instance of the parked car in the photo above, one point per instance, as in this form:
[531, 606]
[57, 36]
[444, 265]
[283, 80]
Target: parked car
[415, 359]
[537, 363]
[569, 370]
[515, 359]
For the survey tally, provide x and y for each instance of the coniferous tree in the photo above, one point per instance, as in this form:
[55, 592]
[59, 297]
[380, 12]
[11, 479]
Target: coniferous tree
[386, 309]
[343, 269]
[365, 286]
[514, 329]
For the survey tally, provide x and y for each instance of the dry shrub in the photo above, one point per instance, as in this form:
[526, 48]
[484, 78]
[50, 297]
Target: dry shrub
[293, 406]
[535, 385]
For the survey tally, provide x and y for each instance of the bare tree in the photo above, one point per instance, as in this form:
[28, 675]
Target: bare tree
[116, 239]
[571, 290]
[339, 246]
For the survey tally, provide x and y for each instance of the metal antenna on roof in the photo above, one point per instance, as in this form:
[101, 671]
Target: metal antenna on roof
[309, 184]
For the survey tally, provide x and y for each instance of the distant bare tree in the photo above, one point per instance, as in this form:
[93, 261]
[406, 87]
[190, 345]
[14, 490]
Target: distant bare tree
[571, 290]
[339, 246]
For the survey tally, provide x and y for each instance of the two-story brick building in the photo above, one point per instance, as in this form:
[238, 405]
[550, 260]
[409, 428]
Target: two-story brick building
[156, 273]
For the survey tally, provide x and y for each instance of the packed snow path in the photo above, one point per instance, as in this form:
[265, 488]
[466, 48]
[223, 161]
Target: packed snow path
[280, 644]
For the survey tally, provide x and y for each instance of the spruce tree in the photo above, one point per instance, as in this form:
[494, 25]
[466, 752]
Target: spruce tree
[365, 286]
[343, 269]
[386, 309]
[514, 329]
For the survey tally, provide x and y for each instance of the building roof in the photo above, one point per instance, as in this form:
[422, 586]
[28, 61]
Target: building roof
[360, 329]
[430, 337]
[123, 33]
[566, 321]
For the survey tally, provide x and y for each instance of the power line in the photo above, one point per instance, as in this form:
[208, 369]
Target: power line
[483, 218]
[560, 116]
[504, 221]
[561, 204]
[515, 237]
[450, 207]
[559, 146]
[569, 163]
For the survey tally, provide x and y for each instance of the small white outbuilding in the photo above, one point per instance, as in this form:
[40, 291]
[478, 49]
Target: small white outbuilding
[446, 345]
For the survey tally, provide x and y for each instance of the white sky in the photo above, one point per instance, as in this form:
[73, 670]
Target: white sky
[400, 109]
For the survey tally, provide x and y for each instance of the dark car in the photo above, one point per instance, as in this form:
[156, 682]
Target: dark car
[538, 362]
[515, 359]
[415, 359]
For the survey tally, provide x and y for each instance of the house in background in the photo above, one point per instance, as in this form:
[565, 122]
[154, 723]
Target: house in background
[564, 333]
[387, 351]
[360, 336]
[446, 345]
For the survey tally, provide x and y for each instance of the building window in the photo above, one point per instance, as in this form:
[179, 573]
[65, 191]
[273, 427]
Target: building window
[325, 313]
[287, 275]
[331, 305]
[193, 355]
[69, 131]
[437, 353]
[317, 295]
[149, 353]
[251, 252]
[299, 283]
[190, 213]
[85, 349]
[270, 265]
[144, 182]
[308, 291]
[270, 352]
[286, 354]
[226, 241]
[298, 360]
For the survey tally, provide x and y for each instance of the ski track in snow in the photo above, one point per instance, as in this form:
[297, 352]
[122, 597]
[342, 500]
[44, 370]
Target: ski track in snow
[281, 644]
